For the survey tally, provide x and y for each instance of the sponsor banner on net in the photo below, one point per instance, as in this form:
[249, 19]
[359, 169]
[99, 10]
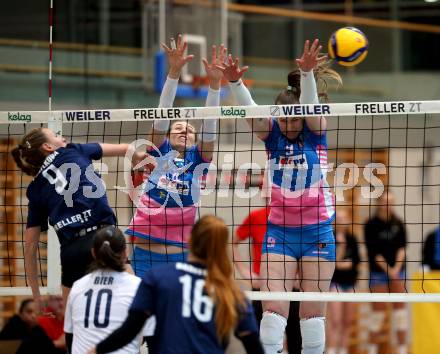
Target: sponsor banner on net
[82, 116]
[364, 109]
[159, 113]
[25, 117]
[233, 112]
[19, 117]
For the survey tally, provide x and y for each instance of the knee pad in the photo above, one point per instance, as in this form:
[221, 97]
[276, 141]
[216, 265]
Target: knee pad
[313, 335]
[400, 319]
[272, 329]
[376, 321]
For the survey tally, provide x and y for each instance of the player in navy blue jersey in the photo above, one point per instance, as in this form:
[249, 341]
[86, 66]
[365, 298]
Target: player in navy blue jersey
[67, 192]
[196, 303]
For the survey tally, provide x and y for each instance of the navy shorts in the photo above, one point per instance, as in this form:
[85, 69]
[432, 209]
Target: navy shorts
[76, 259]
[342, 288]
[381, 278]
[297, 242]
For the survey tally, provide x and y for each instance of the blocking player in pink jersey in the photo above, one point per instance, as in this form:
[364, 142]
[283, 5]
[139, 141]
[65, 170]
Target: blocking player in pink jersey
[299, 230]
[163, 220]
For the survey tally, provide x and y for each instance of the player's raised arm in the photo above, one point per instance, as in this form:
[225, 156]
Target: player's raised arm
[311, 65]
[234, 74]
[309, 93]
[215, 75]
[111, 150]
[176, 60]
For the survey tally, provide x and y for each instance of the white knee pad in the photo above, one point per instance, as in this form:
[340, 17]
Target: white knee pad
[313, 335]
[376, 321]
[272, 329]
[400, 319]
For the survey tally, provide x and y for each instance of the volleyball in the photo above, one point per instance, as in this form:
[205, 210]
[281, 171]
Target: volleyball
[348, 46]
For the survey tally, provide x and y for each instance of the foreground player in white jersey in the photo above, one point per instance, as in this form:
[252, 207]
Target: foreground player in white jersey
[98, 302]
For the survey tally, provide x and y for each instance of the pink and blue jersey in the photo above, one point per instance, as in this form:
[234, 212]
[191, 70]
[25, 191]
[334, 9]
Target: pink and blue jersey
[300, 195]
[167, 210]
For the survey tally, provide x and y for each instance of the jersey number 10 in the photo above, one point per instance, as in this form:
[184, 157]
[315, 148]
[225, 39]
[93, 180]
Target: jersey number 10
[200, 304]
[108, 302]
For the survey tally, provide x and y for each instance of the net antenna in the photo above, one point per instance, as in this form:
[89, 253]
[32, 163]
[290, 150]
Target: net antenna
[54, 123]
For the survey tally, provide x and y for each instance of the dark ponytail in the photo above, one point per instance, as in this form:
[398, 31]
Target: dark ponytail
[109, 249]
[323, 73]
[27, 155]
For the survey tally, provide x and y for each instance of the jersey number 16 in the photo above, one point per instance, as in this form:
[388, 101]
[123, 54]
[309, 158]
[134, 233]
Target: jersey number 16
[200, 304]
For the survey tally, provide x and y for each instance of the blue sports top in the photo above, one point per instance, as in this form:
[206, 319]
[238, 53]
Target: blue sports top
[167, 209]
[300, 194]
[177, 179]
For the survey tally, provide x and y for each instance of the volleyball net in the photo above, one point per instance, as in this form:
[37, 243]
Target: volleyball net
[372, 146]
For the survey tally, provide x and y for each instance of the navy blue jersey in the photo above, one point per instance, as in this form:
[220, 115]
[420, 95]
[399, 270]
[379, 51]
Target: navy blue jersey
[185, 314]
[68, 192]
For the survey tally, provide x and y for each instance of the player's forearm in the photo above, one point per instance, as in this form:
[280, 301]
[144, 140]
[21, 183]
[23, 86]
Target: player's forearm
[344, 264]
[309, 92]
[61, 342]
[31, 236]
[168, 93]
[309, 95]
[381, 262]
[241, 93]
[209, 128]
[400, 258]
[31, 265]
[69, 340]
[252, 344]
[114, 149]
[160, 127]
[123, 335]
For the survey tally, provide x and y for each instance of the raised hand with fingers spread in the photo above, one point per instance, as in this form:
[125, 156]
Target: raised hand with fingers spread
[212, 69]
[176, 56]
[310, 57]
[231, 69]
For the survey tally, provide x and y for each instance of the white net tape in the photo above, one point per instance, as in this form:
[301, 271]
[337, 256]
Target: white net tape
[233, 112]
